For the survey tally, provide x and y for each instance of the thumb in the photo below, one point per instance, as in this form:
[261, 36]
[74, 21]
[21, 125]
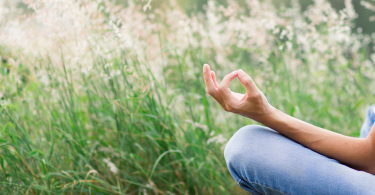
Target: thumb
[247, 81]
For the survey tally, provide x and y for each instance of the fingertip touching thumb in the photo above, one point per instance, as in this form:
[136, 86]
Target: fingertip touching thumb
[242, 75]
[246, 80]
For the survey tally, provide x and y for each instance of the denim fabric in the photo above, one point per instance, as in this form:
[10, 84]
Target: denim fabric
[263, 161]
[369, 121]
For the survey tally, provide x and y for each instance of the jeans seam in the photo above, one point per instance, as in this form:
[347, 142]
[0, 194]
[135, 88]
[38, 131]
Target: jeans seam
[263, 186]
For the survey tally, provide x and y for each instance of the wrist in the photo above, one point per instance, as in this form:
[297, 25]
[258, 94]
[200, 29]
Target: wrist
[267, 115]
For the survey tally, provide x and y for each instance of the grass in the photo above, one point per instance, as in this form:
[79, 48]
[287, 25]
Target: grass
[53, 139]
[120, 129]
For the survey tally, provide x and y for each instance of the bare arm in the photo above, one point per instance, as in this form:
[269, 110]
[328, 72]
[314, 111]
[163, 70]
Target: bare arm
[357, 153]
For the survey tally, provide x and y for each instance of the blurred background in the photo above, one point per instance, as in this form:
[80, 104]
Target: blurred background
[362, 21]
[193, 6]
[108, 97]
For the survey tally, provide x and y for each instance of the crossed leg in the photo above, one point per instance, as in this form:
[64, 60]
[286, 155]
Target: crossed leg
[263, 161]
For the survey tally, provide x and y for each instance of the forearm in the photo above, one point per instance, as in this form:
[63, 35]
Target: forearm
[354, 152]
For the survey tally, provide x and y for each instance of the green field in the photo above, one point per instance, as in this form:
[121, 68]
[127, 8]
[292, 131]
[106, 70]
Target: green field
[121, 107]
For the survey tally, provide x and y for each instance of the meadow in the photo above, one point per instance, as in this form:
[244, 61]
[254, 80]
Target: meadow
[105, 98]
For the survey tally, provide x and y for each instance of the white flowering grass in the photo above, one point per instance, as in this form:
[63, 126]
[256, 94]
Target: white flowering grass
[96, 98]
[111, 166]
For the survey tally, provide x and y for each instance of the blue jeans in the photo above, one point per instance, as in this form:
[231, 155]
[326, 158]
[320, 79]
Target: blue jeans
[263, 161]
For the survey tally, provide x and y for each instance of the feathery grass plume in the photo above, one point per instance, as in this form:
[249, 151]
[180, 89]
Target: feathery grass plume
[101, 98]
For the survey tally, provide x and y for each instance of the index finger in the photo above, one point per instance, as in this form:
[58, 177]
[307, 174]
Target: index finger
[227, 79]
[224, 87]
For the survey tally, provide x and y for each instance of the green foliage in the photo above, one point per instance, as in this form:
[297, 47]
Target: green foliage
[122, 129]
[56, 143]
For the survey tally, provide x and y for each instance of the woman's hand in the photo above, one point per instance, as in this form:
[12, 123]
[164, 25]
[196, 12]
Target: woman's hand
[253, 104]
[358, 153]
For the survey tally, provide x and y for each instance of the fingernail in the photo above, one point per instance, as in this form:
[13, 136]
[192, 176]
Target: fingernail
[205, 67]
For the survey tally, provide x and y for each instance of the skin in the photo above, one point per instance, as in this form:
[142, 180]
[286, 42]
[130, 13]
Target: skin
[358, 153]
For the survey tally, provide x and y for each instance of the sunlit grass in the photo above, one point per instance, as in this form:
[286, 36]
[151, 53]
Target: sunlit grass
[56, 140]
[60, 144]
[138, 121]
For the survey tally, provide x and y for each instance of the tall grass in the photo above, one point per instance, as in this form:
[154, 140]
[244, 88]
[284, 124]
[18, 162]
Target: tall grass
[61, 143]
[119, 120]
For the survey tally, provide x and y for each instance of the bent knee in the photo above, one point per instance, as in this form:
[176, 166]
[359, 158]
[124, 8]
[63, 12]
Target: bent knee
[245, 152]
[251, 137]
